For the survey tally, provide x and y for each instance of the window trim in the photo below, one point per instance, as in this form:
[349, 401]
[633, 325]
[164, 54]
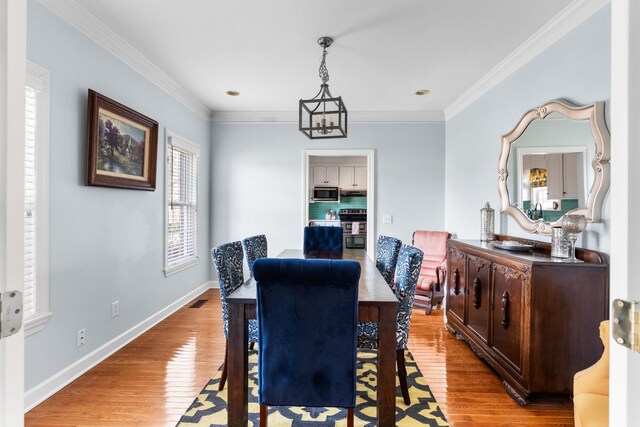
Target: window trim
[39, 79]
[175, 139]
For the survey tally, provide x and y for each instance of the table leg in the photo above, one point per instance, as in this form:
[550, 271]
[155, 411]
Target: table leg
[386, 365]
[238, 368]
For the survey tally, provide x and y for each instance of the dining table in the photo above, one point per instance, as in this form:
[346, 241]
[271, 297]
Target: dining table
[376, 303]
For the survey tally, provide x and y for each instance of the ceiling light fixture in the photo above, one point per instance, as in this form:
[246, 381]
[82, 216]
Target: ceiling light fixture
[233, 93]
[323, 116]
[423, 92]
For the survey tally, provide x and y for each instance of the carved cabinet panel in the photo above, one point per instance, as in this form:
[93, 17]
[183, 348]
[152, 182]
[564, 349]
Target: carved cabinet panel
[534, 319]
[456, 278]
[508, 286]
[479, 275]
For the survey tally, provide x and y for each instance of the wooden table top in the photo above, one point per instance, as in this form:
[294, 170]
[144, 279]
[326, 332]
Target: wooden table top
[373, 289]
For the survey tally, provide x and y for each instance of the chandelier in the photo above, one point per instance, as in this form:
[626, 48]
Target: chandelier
[323, 116]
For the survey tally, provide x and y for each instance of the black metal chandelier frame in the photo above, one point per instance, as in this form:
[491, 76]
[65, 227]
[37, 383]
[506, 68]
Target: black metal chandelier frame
[323, 116]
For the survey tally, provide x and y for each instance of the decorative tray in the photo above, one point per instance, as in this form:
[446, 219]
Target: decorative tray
[511, 245]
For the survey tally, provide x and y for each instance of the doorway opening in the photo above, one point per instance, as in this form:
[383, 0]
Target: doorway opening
[352, 173]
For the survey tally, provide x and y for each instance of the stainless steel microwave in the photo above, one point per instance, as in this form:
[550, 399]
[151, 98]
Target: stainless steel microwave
[326, 194]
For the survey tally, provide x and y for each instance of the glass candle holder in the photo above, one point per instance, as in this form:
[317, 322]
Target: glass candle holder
[572, 226]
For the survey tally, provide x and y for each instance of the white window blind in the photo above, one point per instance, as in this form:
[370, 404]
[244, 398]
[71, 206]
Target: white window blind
[30, 214]
[36, 200]
[182, 212]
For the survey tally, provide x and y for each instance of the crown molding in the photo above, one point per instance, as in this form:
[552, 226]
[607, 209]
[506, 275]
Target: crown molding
[354, 117]
[563, 23]
[97, 30]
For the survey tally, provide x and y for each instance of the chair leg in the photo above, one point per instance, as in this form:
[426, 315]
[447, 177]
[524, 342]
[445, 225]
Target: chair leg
[223, 378]
[263, 415]
[427, 310]
[350, 417]
[251, 345]
[402, 375]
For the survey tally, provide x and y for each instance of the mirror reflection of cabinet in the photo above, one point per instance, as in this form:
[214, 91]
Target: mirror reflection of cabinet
[565, 176]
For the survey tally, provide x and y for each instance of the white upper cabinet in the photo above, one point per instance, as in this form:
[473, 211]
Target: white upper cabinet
[325, 176]
[353, 177]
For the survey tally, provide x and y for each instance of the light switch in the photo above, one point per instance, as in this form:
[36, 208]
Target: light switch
[387, 219]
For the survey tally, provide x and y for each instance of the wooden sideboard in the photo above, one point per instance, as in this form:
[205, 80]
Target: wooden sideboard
[533, 318]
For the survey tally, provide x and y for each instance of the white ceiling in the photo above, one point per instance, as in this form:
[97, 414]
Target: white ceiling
[383, 50]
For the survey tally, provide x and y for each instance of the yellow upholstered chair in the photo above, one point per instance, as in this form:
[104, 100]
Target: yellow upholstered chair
[591, 389]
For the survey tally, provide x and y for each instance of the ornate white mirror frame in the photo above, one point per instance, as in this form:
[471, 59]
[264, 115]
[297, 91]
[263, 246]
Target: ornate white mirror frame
[594, 113]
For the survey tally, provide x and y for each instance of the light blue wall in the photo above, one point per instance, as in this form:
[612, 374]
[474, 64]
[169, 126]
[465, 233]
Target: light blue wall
[105, 244]
[576, 68]
[258, 179]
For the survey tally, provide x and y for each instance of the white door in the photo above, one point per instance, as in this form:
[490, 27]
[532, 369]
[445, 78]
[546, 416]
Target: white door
[624, 367]
[13, 46]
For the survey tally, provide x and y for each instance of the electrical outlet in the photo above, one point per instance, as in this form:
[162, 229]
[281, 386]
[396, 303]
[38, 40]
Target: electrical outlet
[81, 337]
[115, 309]
[387, 219]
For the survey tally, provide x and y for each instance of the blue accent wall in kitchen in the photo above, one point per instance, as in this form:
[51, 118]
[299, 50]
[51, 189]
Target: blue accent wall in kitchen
[319, 209]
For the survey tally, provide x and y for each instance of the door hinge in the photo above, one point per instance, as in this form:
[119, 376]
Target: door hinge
[10, 313]
[626, 323]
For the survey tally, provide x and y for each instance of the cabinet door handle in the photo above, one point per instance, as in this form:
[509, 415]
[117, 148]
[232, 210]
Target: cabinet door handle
[477, 287]
[456, 281]
[505, 309]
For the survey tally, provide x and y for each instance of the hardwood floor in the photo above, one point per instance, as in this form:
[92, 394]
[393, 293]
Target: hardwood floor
[154, 379]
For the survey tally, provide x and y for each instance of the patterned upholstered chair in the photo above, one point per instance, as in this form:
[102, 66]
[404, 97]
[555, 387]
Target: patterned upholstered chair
[387, 249]
[307, 315]
[407, 271]
[255, 247]
[228, 261]
[318, 238]
[433, 274]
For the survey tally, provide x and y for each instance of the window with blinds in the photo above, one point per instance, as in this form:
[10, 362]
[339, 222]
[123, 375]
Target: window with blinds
[182, 209]
[29, 297]
[36, 200]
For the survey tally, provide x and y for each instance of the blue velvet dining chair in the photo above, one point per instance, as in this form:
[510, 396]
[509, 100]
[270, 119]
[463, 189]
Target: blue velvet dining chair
[407, 272]
[320, 238]
[307, 315]
[254, 247]
[387, 249]
[227, 259]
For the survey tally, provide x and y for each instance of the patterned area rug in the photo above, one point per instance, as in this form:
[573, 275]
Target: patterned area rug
[210, 407]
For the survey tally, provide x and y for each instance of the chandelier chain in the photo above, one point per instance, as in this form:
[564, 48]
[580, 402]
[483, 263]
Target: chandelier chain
[323, 72]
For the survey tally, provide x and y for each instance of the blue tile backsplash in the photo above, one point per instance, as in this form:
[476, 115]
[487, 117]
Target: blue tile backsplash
[319, 209]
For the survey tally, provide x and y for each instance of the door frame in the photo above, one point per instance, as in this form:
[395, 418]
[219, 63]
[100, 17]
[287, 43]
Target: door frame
[337, 152]
[13, 68]
[624, 365]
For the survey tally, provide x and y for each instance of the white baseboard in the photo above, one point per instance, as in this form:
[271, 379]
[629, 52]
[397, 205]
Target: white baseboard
[53, 384]
[213, 284]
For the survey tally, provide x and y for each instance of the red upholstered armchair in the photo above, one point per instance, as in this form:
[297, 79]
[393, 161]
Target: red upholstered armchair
[433, 274]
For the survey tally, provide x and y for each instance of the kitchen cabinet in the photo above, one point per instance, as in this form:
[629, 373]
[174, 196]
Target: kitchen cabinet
[533, 318]
[564, 179]
[325, 176]
[353, 177]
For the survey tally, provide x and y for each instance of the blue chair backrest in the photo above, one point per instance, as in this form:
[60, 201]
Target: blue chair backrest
[387, 249]
[407, 273]
[255, 247]
[228, 261]
[307, 313]
[318, 238]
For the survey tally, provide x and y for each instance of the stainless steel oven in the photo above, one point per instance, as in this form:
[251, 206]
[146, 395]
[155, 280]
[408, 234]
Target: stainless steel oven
[354, 227]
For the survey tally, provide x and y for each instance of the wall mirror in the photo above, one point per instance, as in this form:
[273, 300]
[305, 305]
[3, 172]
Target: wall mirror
[555, 161]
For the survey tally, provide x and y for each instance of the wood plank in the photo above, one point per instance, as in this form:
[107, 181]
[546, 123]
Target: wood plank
[154, 379]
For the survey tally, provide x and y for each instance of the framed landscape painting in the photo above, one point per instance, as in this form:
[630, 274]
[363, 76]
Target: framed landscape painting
[123, 145]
